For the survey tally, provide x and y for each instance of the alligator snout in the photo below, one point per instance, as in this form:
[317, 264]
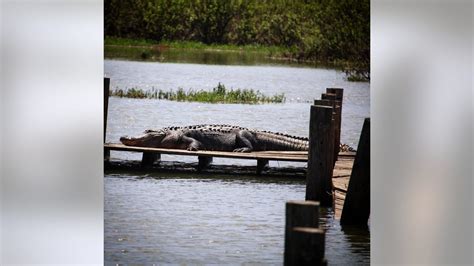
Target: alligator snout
[124, 138]
[127, 140]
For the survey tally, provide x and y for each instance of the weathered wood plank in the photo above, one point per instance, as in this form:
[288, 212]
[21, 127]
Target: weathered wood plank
[297, 156]
[288, 156]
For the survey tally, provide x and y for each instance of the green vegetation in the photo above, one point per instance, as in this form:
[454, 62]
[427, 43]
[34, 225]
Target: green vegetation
[116, 41]
[326, 31]
[218, 94]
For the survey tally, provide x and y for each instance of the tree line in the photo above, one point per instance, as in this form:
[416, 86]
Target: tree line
[318, 30]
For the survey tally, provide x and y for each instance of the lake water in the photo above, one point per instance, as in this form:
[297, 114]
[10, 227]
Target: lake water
[199, 219]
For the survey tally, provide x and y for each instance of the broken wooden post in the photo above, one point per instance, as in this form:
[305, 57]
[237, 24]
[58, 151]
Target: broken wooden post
[262, 164]
[307, 247]
[204, 161]
[298, 214]
[356, 210]
[106, 109]
[320, 156]
[149, 158]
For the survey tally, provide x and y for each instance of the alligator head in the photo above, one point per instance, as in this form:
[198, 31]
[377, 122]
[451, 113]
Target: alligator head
[150, 138]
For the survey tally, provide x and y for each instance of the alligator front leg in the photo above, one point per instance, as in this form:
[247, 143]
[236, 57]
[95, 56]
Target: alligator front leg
[191, 144]
[243, 141]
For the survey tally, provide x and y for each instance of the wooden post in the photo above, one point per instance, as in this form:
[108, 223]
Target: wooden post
[307, 246]
[356, 210]
[329, 96]
[204, 161]
[299, 214]
[320, 156]
[106, 110]
[262, 164]
[332, 103]
[149, 158]
[333, 97]
[324, 103]
[339, 92]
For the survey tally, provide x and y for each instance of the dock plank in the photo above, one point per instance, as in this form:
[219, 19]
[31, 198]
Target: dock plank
[296, 156]
[340, 181]
[293, 156]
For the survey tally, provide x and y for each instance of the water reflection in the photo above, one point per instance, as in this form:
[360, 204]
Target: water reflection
[197, 56]
[344, 246]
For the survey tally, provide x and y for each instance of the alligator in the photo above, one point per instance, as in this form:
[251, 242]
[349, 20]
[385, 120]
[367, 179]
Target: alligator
[217, 138]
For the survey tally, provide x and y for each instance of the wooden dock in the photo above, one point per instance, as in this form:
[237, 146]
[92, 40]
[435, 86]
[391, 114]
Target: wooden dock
[289, 156]
[341, 173]
[292, 156]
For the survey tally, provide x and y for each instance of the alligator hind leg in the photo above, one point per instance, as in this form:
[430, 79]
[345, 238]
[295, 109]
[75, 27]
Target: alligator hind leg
[243, 141]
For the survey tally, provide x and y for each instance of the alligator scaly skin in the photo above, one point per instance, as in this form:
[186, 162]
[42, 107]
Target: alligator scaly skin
[217, 138]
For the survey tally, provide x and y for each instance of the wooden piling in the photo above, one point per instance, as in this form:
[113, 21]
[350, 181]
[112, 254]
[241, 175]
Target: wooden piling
[106, 110]
[307, 247]
[356, 210]
[320, 156]
[334, 121]
[339, 92]
[336, 99]
[298, 214]
[324, 103]
[149, 158]
[329, 96]
[262, 164]
[204, 162]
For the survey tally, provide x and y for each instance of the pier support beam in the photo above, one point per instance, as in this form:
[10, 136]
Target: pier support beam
[262, 164]
[149, 158]
[204, 162]
[320, 156]
[356, 210]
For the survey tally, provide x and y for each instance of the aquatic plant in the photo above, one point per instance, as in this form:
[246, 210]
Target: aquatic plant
[219, 94]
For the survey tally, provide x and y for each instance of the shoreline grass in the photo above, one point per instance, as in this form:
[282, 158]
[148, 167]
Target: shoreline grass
[219, 94]
[256, 48]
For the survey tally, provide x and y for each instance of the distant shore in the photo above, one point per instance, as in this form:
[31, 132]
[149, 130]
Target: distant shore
[144, 49]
